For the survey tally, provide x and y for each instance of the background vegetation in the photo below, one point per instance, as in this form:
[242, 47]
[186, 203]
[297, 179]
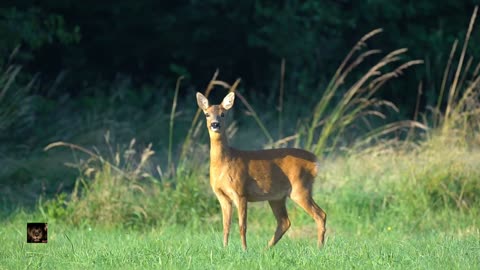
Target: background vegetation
[87, 46]
[100, 133]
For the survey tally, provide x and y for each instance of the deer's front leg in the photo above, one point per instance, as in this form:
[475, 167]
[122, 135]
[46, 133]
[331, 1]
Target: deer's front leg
[226, 205]
[242, 220]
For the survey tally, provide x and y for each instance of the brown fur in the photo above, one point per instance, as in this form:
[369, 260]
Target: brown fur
[265, 175]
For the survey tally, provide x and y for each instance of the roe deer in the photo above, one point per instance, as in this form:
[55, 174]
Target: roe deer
[265, 175]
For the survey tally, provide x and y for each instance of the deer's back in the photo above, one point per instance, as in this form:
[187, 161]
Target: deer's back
[271, 174]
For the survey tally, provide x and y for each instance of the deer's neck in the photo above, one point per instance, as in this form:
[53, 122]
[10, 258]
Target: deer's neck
[219, 149]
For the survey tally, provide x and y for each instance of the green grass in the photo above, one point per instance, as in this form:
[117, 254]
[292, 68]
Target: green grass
[183, 248]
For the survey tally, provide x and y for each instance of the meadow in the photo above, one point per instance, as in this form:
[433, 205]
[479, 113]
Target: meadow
[181, 248]
[398, 194]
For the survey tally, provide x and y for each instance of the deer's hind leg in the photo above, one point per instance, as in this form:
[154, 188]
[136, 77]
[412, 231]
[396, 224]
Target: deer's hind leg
[303, 197]
[283, 223]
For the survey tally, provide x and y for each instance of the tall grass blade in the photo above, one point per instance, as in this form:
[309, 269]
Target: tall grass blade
[280, 99]
[172, 118]
[445, 78]
[453, 88]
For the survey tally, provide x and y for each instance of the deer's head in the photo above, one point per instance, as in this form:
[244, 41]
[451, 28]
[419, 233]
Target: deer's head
[215, 114]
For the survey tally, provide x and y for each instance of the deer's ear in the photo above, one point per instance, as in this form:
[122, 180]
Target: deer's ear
[202, 101]
[227, 102]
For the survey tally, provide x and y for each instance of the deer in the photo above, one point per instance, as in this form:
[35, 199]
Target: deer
[272, 175]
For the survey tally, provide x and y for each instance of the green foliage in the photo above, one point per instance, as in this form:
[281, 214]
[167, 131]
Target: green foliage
[358, 101]
[116, 190]
[16, 111]
[305, 33]
[451, 179]
[409, 189]
[34, 28]
[155, 41]
[56, 209]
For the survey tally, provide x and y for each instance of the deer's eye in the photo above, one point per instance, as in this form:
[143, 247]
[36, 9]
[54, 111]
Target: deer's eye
[222, 114]
[207, 115]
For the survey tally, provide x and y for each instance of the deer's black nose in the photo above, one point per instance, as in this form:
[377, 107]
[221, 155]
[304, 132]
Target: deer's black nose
[215, 125]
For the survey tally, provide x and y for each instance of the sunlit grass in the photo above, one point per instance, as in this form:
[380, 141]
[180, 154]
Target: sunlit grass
[182, 248]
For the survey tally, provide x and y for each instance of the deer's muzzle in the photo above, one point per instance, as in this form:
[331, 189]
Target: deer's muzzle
[215, 126]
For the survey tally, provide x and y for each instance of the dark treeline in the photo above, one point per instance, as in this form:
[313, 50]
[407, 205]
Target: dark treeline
[153, 42]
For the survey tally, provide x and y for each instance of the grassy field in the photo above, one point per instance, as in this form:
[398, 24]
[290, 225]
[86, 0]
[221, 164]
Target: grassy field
[184, 248]
[378, 218]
